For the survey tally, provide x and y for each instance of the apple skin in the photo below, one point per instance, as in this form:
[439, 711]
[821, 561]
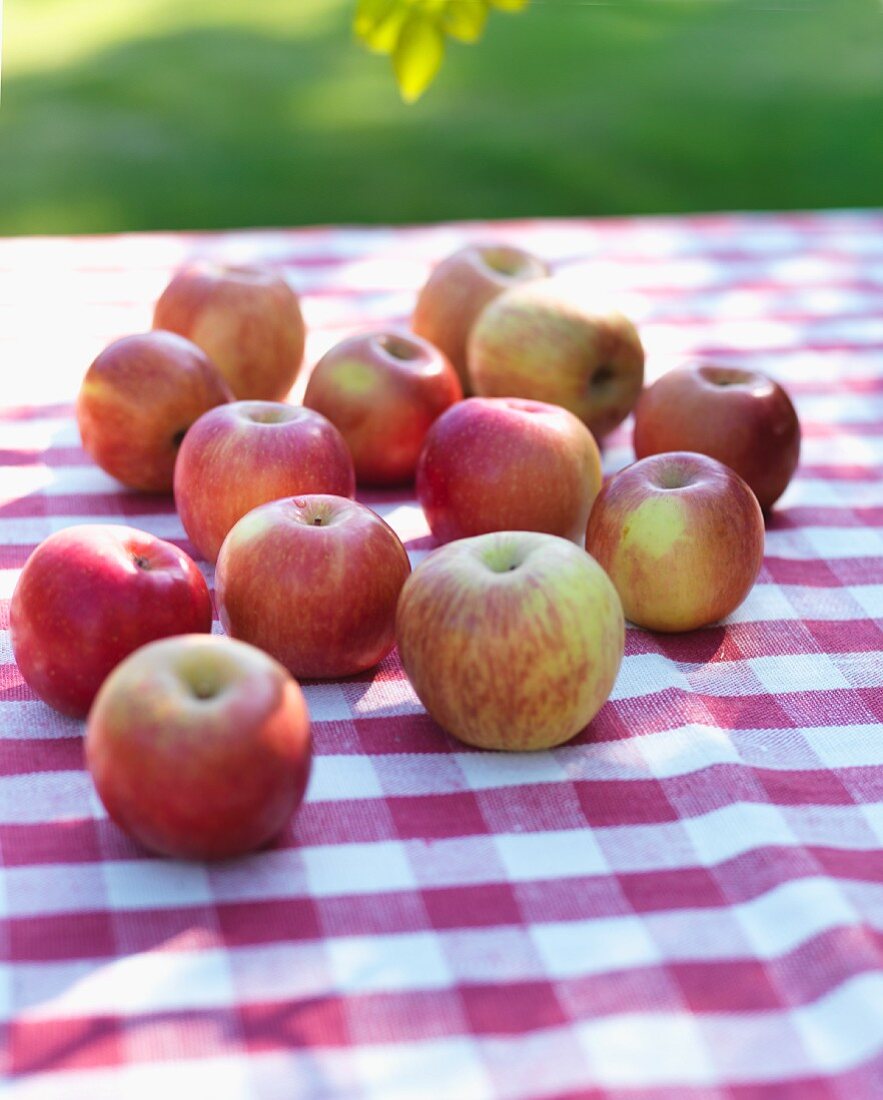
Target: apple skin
[251, 452]
[383, 391]
[138, 399]
[740, 417]
[200, 747]
[511, 640]
[540, 341]
[90, 595]
[460, 287]
[681, 537]
[314, 581]
[247, 320]
[503, 464]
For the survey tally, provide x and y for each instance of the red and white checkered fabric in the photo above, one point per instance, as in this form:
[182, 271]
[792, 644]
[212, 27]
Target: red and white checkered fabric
[685, 902]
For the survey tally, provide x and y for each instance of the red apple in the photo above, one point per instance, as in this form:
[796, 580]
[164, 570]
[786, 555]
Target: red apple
[740, 417]
[313, 580]
[512, 640]
[681, 536]
[251, 452]
[502, 464]
[383, 391]
[137, 401]
[248, 319]
[458, 290]
[88, 596]
[199, 747]
[541, 341]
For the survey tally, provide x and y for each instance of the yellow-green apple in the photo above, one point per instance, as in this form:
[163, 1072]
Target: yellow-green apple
[542, 341]
[314, 581]
[90, 595]
[383, 391]
[460, 287]
[247, 319]
[199, 747]
[137, 401]
[250, 452]
[512, 640]
[503, 464]
[740, 417]
[681, 536]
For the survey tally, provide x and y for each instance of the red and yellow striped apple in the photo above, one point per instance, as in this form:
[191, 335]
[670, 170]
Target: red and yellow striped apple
[199, 747]
[248, 453]
[246, 318]
[544, 342]
[90, 595]
[314, 581]
[503, 464]
[740, 417]
[681, 536]
[383, 391]
[138, 400]
[512, 640]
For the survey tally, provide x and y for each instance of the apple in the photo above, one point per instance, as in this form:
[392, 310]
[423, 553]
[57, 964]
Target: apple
[541, 341]
[90, 595]
[137, 401]
[460, 287]
[248, 319]
[511, 640]
[681, 536]
[502, 464]
[199, 747]
[250, 452]
[383, 391]
[314, 581]
[740, 417]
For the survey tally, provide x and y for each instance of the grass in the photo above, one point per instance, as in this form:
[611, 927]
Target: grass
[156, 114]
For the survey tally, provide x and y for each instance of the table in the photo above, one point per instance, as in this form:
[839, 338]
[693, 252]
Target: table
[685, 902]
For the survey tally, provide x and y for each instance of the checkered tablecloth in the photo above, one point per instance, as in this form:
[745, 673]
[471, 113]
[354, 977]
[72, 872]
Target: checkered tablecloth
[685, 902]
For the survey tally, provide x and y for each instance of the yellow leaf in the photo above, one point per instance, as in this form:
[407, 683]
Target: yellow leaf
[369, 13]
[417, 56]
[378, 23]
[465, 19]
[509, 5]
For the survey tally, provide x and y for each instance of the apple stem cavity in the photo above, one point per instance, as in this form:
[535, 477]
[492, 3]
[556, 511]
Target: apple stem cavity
[726, 376]
[503, 262]
[140, 561]
[178, 438]
[673, 479]
[601, 376]
[399, 348]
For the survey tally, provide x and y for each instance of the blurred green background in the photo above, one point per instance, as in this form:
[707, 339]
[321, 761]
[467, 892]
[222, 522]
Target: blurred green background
[153, 114]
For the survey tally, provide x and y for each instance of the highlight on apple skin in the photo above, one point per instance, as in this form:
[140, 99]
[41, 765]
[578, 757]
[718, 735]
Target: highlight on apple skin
[740, 417]
[511, 640]
[460, 287]
[543, 341]
[91, 594]
[251, 452]
[199, 747]
[681, 537]
[314, 581]
[505, 464]
[383, 391]
[137, 401]
[247, 319]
